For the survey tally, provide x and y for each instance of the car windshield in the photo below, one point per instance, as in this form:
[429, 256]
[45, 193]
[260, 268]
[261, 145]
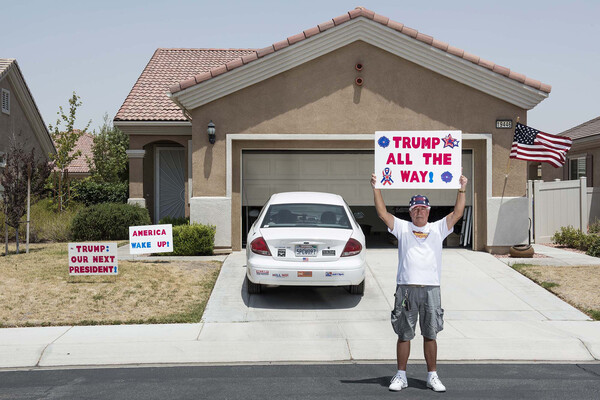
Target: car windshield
[306, 215]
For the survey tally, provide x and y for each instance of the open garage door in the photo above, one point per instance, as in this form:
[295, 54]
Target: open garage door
[346, 173]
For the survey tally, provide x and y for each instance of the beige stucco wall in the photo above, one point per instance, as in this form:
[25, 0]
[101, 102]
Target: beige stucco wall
[320, 97]
[17, 123]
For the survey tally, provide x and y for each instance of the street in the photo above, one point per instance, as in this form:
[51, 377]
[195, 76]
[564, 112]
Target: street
[324, 381]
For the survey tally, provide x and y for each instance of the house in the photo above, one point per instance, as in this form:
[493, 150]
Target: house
[214, 132]
[79, 168]
[20, 119]
[580, 158]
[574, 199]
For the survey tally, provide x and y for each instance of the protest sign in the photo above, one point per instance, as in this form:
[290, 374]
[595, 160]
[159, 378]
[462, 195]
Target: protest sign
[150, 239]
[418, 159]
[93, 259]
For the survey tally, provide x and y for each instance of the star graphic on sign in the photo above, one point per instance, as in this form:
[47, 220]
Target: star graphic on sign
[449, 141]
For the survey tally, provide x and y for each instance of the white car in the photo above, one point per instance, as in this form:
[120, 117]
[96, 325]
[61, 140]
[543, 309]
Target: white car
[306, 239]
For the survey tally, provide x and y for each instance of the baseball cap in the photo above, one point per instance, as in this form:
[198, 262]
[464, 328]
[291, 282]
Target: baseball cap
[418, 201]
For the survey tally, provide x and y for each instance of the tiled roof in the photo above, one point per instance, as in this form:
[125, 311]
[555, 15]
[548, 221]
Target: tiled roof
[357, 12]
[80, 165]
[149, 101]
[589, 128]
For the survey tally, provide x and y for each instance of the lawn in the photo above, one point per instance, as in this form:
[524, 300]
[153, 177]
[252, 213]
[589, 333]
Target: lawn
[577, 285]
[36, 290]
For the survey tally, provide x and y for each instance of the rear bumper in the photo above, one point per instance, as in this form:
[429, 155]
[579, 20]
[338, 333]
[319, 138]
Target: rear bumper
[266, 271]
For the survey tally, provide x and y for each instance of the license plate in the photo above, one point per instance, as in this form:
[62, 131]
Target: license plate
[303, 250]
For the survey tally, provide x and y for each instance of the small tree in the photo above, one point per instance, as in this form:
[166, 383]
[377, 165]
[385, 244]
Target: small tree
[65, 140]
[109, 158]
[19, 165]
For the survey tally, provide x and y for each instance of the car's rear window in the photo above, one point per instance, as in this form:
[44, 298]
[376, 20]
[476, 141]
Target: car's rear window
[306, 215]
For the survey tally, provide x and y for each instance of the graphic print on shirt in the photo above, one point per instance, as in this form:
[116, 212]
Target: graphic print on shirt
[421, 235]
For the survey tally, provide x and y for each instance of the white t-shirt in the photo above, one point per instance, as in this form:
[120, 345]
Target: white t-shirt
[420, 251]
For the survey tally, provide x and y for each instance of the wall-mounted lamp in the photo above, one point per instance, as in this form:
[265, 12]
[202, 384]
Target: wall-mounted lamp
[211, 132]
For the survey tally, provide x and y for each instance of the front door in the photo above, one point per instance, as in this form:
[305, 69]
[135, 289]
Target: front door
[170, 183]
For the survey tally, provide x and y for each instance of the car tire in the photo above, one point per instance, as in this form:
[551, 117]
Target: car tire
[358, 289]
[253, 288]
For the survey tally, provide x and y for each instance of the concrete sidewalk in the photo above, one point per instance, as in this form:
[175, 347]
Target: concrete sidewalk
[492, 313]
[554, 256]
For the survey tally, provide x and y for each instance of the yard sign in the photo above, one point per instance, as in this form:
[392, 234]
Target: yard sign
[150, 239]
[93, 259]
[418, 159]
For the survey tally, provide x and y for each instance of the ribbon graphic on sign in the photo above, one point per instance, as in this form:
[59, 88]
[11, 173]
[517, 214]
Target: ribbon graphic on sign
[387, 177]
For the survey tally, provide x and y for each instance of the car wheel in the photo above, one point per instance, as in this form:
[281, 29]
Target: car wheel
[253, 288]
[358, 289]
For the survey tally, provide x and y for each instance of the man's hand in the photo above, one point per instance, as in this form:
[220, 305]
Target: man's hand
[463, 182]
[459, 206]
[385, 216]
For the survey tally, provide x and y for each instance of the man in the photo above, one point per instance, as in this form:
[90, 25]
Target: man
[418, 279]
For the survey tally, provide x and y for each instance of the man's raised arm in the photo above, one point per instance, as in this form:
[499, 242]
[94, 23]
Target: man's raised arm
[459, 206]
[380, 205]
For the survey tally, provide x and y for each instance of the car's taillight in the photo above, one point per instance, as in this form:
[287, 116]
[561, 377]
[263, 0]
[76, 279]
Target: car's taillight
[259, 246]
[353, 247]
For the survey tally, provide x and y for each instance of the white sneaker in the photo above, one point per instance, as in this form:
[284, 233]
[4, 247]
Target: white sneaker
[436, 384]
[397, 383]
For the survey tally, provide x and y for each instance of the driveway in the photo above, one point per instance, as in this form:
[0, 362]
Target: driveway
[491, 313]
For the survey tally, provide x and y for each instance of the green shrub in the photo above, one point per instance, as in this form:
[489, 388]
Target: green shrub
[587, 241]
[594, 226]
[594, 247]
[574, 238]
[108, 221]
[568, 236]
[90, 192]
[193, 240]
[175, 221]
[47, 224]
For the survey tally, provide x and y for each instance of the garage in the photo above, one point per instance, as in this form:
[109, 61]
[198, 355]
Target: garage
[344, 172]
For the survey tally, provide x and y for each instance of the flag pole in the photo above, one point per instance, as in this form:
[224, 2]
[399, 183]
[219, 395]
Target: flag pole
[508, 165]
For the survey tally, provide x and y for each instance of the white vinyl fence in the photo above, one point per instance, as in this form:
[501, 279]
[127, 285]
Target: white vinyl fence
[553, 205]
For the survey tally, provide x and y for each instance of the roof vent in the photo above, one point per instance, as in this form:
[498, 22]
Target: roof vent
[5, 101]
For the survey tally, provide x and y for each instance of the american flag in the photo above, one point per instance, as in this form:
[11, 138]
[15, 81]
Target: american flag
[532, 145]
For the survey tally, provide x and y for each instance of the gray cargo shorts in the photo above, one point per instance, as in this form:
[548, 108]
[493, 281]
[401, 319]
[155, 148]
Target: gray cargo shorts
[422, 302]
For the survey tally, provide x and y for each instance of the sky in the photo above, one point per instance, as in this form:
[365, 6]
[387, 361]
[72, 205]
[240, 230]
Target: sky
[99, 48]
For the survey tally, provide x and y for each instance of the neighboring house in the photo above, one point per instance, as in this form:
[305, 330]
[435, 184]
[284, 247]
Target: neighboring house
[580, 159]
[79, 168]
[291, 116]
[20, 118]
